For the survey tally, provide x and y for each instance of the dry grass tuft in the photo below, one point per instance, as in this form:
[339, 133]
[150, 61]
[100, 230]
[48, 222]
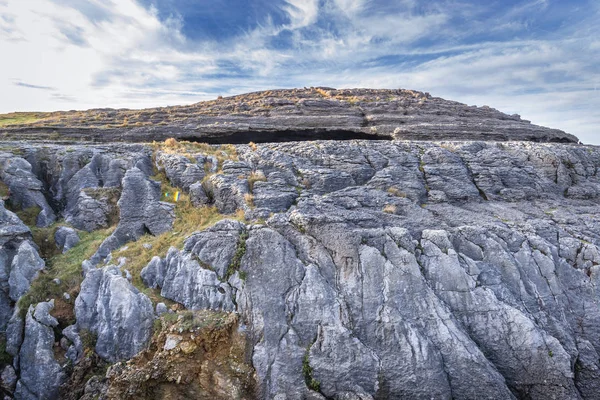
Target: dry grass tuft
[171, 142]
[188, 219]
[394, 191]
[390, 209]
[249, 198]
[257, 176]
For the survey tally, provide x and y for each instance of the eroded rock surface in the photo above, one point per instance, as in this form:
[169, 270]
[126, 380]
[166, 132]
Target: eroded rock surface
[40, 374]
[19, 262]
[297, 114]
[459, 270]
[141, 212]
[367, 269]
[112, 309]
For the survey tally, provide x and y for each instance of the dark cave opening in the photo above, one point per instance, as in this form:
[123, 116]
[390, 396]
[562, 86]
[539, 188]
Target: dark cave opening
[287, 135]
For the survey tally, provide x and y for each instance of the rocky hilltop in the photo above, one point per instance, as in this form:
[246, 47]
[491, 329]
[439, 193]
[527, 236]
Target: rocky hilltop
[462, 268]
[286, 115]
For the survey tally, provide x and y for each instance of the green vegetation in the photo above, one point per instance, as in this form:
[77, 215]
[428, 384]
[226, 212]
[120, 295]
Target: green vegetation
[65, 267]
[5, 358]
[29, 215]
[21, 118]
[307, 371]
[237, 257]
[4, 191]
[189, 149]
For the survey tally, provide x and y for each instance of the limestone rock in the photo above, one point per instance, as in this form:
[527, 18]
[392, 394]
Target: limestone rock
[141, 212]
[23, 270]
[180, 171]
[25, 188]
[119, 315]
[182, 279]
[66, 238]
[40, 374]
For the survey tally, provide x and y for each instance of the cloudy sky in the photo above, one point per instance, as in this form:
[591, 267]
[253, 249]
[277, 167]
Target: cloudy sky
[538, 58]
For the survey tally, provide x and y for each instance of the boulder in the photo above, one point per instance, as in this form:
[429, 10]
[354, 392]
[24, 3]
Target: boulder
[66, 238]
[26, 190]
[40, 375]
[112, 309]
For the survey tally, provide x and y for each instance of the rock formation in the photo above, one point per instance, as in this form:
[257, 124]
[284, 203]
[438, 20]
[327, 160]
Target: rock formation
[464, 264]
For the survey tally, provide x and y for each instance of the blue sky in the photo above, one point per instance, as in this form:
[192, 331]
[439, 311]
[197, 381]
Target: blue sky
[538, 58]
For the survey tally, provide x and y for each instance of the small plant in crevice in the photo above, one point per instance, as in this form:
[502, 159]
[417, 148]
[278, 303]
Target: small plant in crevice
[307, 371]
[249, 198]
[254, 177]
[237, 257]
[394, 191]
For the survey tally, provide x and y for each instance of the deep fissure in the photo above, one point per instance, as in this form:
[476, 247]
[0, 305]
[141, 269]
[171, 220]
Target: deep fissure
[287, 135]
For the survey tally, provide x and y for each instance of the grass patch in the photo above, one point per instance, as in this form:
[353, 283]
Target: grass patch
[390, 209]
[21, 118]
[29, 215]
[189, 149]
[394, 191]
[65, 267]
[188, 219]
[4, 191]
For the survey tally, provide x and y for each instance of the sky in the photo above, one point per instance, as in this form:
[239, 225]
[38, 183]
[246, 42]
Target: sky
[537, 58]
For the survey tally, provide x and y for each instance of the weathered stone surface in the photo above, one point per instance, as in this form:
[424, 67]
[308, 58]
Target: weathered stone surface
[66, 238]
[119, 315]
[303, 114]
[180, 171]
[198, 196]
[40, 374]
[23, 270]
[25, 188]
[141, 212]
[8, 379]
[182, 279]
[395, 269]
[227, 192]
[13, 235]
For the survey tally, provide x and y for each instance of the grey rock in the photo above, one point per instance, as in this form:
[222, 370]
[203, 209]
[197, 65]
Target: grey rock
[161, 308]
[121, 317]
[90, 213]
[23, 270]
[13, 235]
[40, 375]
[66, 238]
[307, 114]
[25, 188]
[141, 212]
[274, 196]
[180, 171]
[14, 334]
[227, 192]
[216, 246]
[198, 196]
[182, 279]
[8, 379]
[75, 349]
[172, 342]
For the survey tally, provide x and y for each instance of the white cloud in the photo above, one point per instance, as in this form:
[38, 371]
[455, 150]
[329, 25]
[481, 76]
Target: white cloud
[302, 13]
[119, 54]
